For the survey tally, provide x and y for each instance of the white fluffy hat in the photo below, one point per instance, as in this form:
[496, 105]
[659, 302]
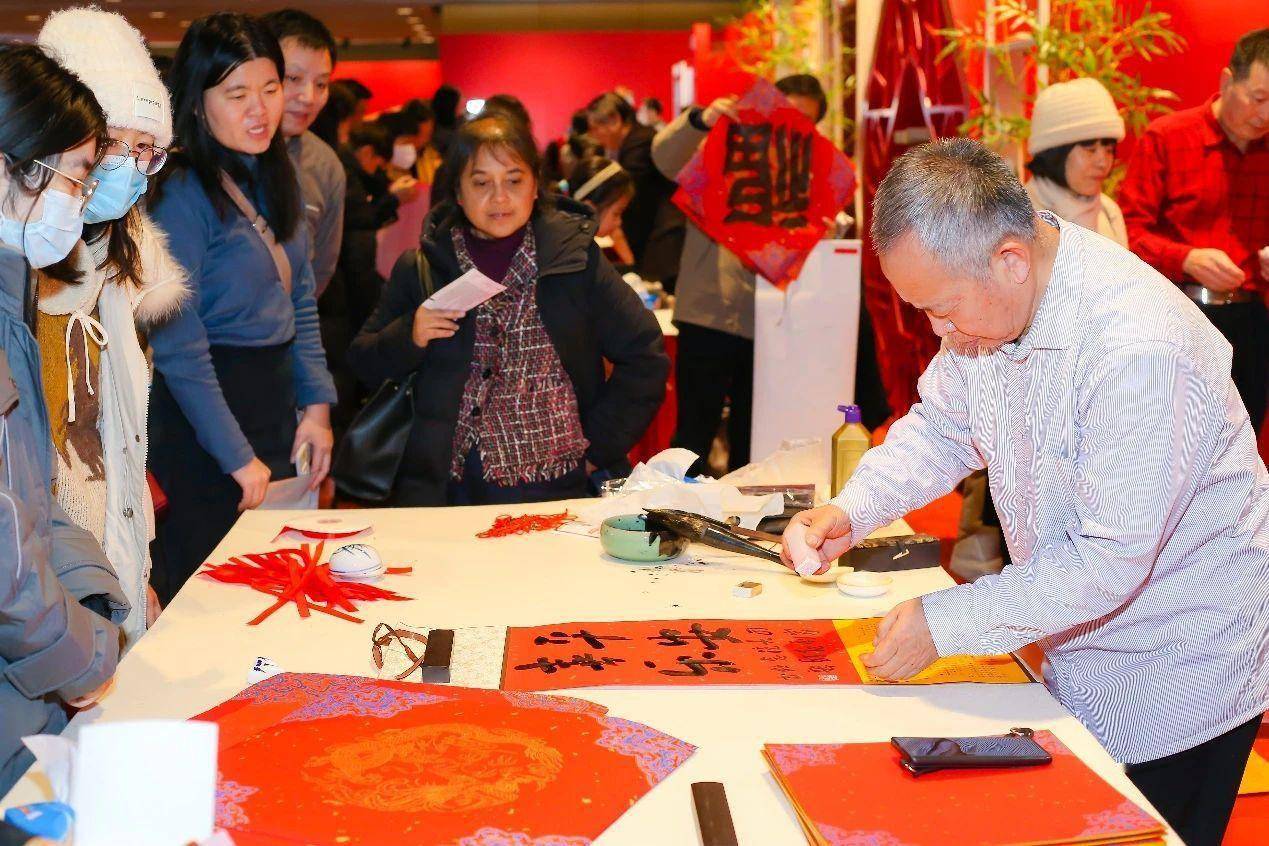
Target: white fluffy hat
[109, 56]
[1068, 112]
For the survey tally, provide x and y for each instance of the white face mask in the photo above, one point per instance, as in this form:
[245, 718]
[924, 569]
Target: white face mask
[404, 156]
[51, 238]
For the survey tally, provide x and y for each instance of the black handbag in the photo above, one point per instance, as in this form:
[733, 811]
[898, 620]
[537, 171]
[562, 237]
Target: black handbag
[370, 454]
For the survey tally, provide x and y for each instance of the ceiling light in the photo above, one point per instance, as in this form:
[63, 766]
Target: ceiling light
[404, 10]
[158, 15]
[414, 19]
[184, 24]
[33, 18]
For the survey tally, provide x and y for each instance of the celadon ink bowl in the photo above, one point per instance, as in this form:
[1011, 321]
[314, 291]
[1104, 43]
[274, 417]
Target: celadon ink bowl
[628, 538]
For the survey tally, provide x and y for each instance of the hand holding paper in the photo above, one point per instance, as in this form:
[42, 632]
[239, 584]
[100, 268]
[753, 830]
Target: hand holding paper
[464, 293]
[814, 539]
[904, 646]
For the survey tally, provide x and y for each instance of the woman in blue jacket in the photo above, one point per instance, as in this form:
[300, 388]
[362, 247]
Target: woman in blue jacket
[244, 358]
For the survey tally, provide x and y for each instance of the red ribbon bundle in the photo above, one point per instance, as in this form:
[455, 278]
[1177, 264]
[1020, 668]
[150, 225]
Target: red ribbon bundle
[296, 575]
[524, 524]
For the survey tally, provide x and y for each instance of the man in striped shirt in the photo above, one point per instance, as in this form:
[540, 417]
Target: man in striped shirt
[1124, 469]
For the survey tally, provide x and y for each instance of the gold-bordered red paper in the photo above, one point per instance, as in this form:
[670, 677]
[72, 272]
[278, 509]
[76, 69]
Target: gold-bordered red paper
[857, 793]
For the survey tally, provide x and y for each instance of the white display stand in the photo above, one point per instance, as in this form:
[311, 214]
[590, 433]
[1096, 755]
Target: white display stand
[805, 344]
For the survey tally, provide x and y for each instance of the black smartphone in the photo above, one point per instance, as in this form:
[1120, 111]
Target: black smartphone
[920, 755]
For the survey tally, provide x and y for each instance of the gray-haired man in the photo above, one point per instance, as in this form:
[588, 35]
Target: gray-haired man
[1123, 465]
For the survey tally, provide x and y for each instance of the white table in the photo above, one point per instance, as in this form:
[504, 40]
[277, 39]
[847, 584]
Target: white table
[199, 653]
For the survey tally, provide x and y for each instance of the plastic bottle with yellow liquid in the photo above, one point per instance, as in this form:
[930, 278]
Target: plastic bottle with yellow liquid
[850, 442]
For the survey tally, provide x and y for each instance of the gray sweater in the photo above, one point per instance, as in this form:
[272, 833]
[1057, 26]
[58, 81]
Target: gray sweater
[714, 289]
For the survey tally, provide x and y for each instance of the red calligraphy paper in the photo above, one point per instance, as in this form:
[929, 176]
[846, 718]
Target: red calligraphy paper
[734, 652]
[763, 185]
[317, 759]
[676, 652]
[857, 793]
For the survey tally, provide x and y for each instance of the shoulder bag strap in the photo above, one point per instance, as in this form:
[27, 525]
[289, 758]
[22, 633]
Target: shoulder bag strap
[261, 226]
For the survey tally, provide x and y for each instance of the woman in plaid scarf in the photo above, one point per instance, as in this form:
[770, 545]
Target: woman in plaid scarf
[513, 401]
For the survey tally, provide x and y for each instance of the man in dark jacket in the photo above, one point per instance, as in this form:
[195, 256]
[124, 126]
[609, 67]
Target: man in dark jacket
[54, 650]
[654, 226]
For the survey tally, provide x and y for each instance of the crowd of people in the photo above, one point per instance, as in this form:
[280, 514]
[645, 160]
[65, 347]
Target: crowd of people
[206, 277]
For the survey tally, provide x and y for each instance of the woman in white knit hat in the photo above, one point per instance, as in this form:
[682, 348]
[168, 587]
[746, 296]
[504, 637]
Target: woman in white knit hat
[1075, 128]
[121, 279]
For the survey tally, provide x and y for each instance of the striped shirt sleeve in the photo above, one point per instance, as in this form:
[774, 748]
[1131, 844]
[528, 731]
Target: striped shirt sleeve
[926, 454]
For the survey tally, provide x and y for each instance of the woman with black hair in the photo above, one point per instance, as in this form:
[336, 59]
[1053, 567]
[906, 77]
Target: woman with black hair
[59, 635]
[1075, 129]
[512, 403]
[96, 377]
[607, 188]
[244, 359]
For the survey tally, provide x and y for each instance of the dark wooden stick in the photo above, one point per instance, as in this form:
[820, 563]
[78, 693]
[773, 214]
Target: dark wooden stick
[713, 814]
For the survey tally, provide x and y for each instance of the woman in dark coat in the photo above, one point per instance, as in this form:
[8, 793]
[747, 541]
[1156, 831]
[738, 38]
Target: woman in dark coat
[513, 401]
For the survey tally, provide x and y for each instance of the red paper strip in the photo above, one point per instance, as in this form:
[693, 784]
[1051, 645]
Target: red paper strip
[298, 576]
[506, 525]
[676, 652]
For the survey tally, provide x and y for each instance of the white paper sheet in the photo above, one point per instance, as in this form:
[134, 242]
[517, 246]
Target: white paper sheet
[143, 783]
[464, 293]
[289, 495]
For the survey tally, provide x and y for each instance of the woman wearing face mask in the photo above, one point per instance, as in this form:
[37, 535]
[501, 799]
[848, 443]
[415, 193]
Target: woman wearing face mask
[1075, 128]
[96, 378]
[235, 366]
[607, 188]
[512, 403]
[54, 650]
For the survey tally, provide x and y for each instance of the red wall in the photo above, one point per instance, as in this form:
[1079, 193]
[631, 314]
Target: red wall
[556, 73]
[393, 82]
[1210, 30]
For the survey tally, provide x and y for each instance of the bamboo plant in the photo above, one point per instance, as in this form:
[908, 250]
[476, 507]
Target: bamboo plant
[1094, 38]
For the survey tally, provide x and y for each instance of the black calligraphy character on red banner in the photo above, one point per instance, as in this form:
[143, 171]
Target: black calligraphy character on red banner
[749, 156]
[594, 641]
[709, 640]
[701, 666]
[586, 660]
[772, 167]
[793, 177]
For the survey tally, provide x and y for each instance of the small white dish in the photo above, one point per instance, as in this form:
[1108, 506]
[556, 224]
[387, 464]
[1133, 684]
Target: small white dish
[829, 576]
[862, 584]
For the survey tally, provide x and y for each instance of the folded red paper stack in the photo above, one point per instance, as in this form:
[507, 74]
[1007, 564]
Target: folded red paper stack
[857, 793]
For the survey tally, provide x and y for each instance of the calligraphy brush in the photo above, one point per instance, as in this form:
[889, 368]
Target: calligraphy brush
[713, 533]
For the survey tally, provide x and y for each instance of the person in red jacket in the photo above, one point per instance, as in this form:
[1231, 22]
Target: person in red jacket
[1196, 206]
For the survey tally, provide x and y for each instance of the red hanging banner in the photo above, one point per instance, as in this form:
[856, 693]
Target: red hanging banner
[767, 185]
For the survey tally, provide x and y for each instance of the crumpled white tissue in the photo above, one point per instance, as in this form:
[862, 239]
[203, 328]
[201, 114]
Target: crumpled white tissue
[659, 483]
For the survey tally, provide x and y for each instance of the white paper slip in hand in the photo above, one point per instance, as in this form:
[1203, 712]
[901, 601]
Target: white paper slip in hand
[464, 293]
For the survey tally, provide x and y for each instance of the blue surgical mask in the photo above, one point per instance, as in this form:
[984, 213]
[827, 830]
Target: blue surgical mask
[51, 238]
[118, 192]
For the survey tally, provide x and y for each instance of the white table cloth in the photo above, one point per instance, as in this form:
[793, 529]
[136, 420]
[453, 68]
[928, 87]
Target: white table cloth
[199, 653]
